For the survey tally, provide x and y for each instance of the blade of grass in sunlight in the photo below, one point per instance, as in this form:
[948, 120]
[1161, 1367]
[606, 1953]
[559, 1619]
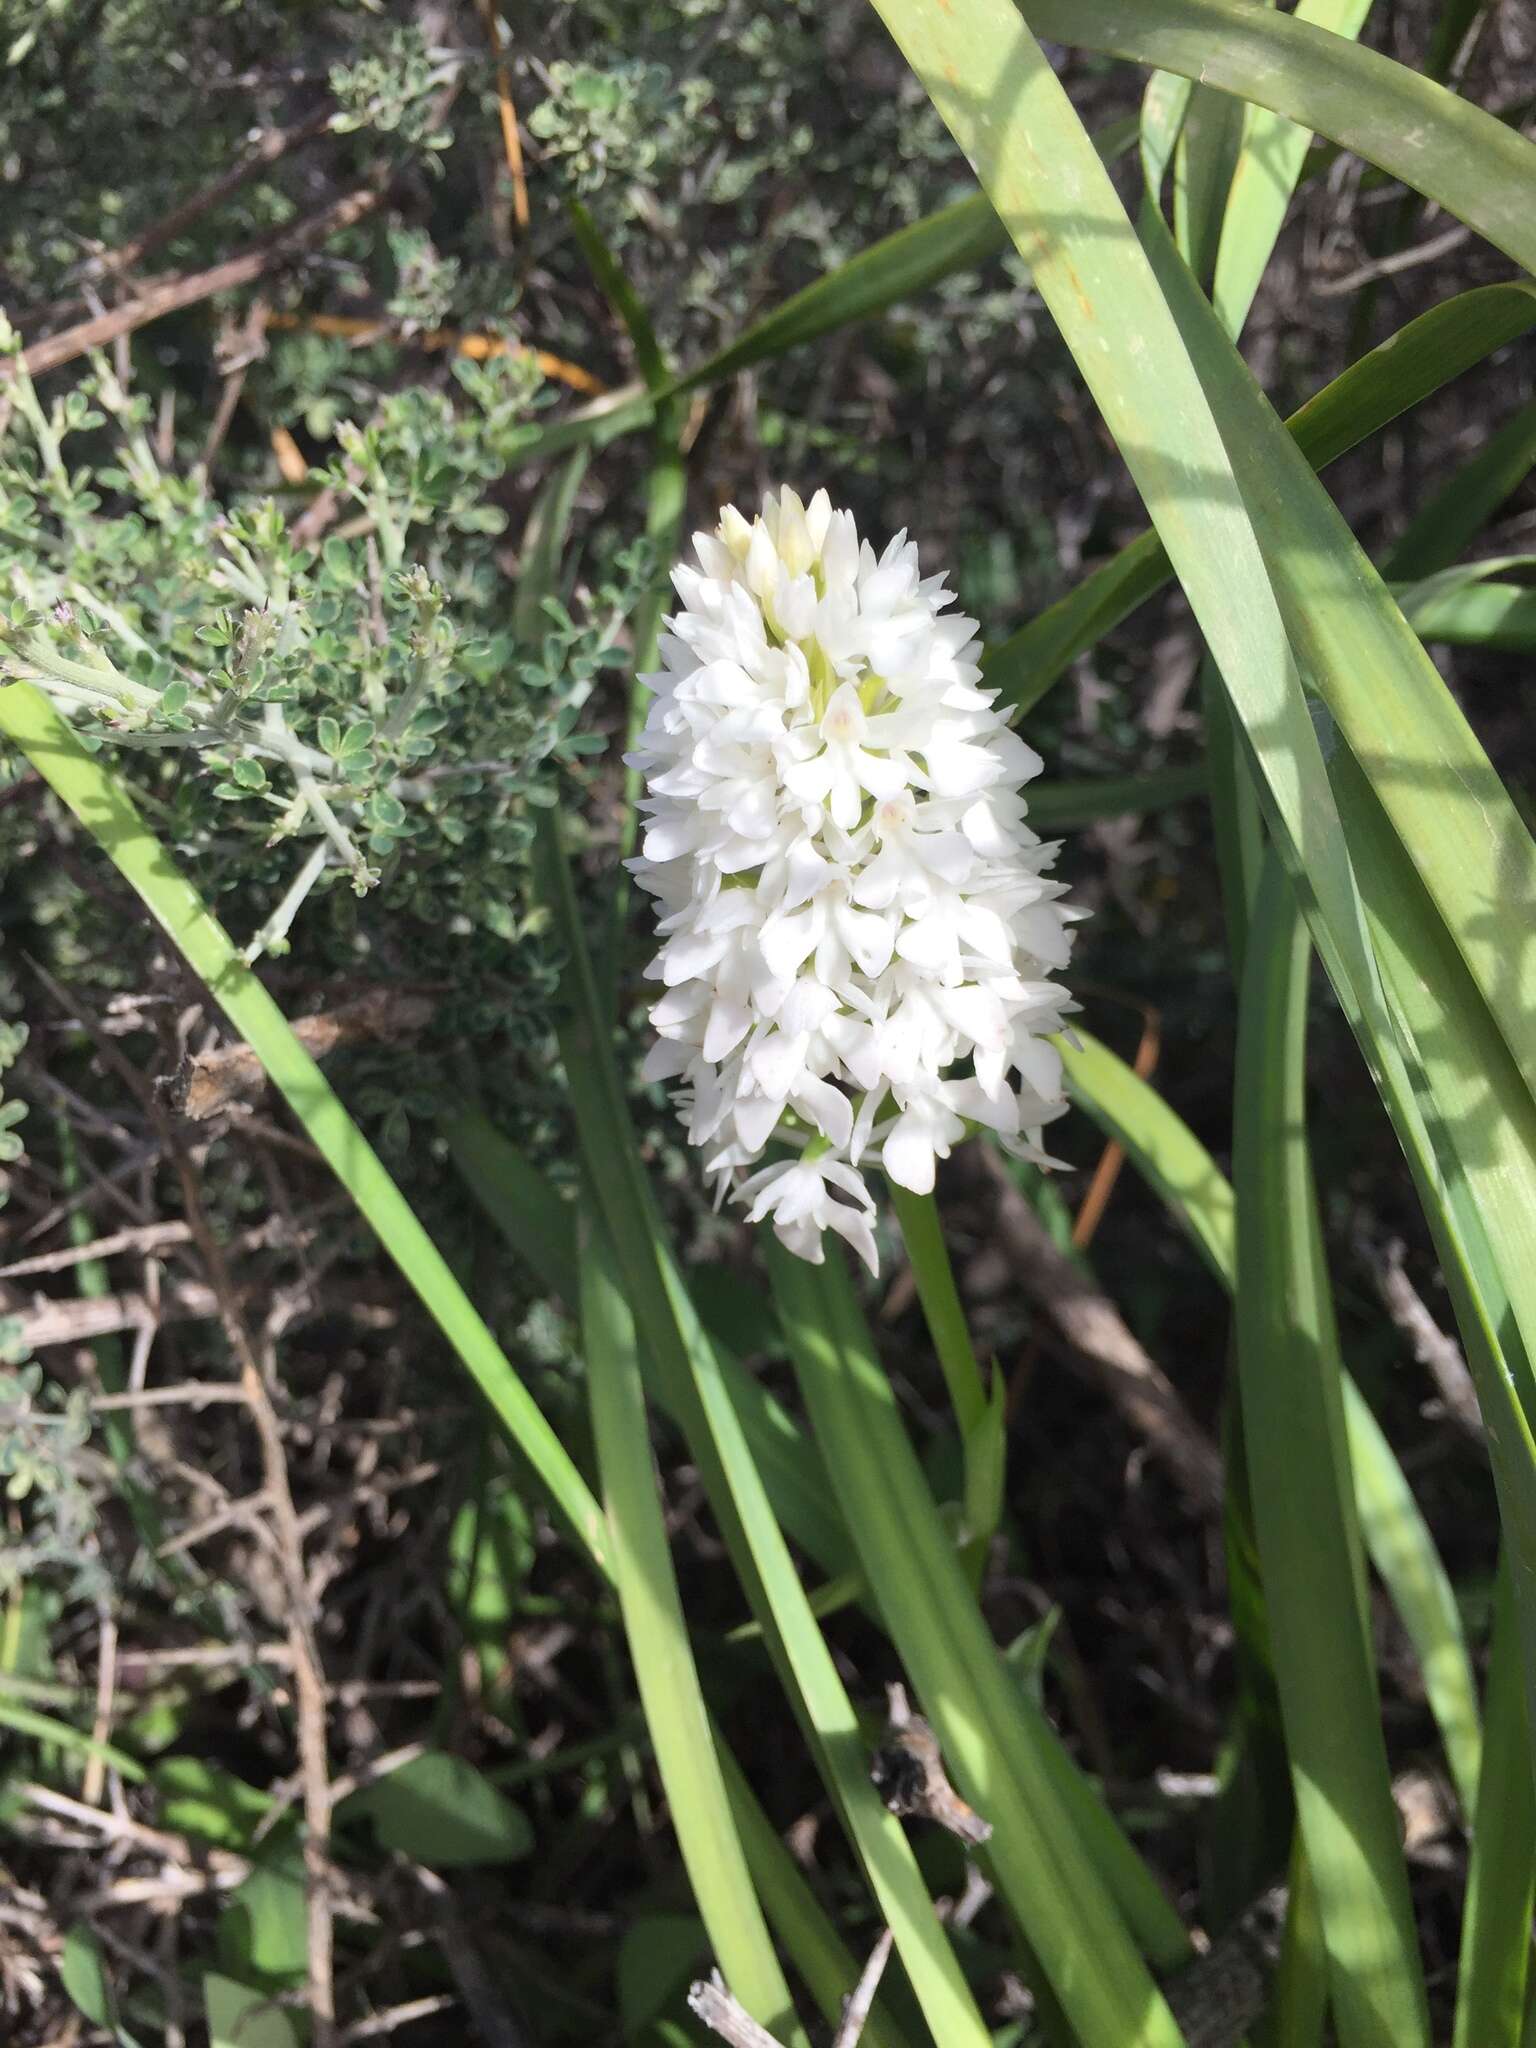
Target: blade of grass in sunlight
[1268, 169]
[1299, 1998]
[979, 1415]
[1210, 138]
[1472, 613]
[664, 1666]
[1178, 1167]
[1501, 1875]
[60, 1735]
[1051, 1874]
[86, 784]
[1413, 363]
[1303, 1506]
[1456, 154]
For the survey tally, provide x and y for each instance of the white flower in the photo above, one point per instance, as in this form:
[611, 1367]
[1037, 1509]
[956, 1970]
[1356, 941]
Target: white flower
[857, 928]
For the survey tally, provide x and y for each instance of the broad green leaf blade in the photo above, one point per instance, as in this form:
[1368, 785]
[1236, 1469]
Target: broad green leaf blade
[1470, 163]
[1456, 513]
[1178, 1167]
[1303, 1509]
[1299, 2001]
[663, 1660]
[1267, 172]
[1419, 359]
[1473, 614]
[85, 783]
[1501, 1876]
[1051, 1875]
[240, 2017]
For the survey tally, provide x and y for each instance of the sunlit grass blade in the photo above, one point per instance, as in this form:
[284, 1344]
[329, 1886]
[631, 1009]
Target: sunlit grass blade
[1404, 1553]
[1470, 163]
[1268, 168]
[1298, 1469]
[1501, 1875]
[63, 1735]
[1455, 514]
[1057, 1880]
[86, 784]
[692, 1374]
[1472, 613]
[663, 1660]
[1179, 1168]
[1413, 363]
[978, 1416]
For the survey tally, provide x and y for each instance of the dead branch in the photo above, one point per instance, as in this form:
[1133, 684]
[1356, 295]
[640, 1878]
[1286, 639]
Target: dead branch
[1431, 1345]
[1099, 1336]
[908, 1771]
[231, 1076]
[174, 293]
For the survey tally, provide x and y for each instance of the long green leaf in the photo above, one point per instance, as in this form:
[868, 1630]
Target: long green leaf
[1268, 169]
[1471, 164]
[86, 784]
[1178, 1167]
[1456, 512]
[1501, 1876]
[664, 1667]
[1308, 1542]
[1472, 614]
[1416, 361]
[1051, 1876]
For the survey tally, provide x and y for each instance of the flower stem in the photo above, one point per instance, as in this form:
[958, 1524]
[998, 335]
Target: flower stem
[978, 1416]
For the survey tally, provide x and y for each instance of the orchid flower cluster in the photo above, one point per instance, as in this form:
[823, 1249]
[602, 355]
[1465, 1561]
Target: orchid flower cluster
[857, 927]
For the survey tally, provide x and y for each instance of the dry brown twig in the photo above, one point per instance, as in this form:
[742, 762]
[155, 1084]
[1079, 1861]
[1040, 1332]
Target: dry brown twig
[711, 2002]
[1100, 1337]
[908, 1771]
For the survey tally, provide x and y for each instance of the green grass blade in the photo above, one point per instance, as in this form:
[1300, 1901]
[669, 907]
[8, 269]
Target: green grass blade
[519, 1201]
[1299, 2000]
[977, 1415]
[1456, 513]
[1419, 359]
[544, 538]
[538, 1225]
[61, 1735]
[1266, 176]
[663, 1661]
[1474, 614]
[1501, 1876]
[86, 784]
[1206, 158]
[1063, 806]
[1308, 1542]
[1404, 1553]
[1467, 161]
[1178, 1167]
[1057, 1882]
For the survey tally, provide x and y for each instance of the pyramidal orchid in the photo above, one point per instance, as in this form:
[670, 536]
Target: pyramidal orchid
[857, 927]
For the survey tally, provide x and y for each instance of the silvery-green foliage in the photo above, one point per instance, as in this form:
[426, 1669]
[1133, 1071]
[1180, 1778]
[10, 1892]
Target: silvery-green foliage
[345, 738]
